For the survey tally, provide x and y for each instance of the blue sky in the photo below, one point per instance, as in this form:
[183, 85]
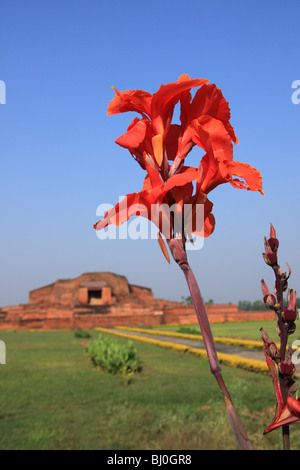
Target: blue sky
[59, 161]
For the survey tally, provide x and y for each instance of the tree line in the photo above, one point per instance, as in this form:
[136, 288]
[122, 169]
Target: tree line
[242, 304]
[260, 305]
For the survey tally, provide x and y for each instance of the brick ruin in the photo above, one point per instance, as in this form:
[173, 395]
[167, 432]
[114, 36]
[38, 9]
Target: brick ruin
[107, 300]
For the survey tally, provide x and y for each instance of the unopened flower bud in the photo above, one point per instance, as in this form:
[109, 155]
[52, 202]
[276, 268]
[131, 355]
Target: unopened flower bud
[286, 368]
[289, 315]
[272, 350]
[292, 298]
[269, 299]
[292, 328]
[270, 258]
[274, 244]
[290, 312]
[270, 347]
[273, 241]
[272, 231]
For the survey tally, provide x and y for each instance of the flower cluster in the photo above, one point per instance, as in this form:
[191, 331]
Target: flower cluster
[281, 367]
[161, 147]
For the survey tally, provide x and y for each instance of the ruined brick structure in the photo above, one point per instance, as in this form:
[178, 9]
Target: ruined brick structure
[107, 299]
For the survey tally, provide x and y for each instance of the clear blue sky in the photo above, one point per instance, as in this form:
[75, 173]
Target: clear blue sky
[59, 161]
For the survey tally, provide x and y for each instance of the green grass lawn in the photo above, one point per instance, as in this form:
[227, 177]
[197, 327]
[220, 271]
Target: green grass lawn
[244, 330]
[52, 398]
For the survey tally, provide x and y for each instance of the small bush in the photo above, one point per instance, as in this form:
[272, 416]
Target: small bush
[188, 330]
[82, 334]
[113, 357]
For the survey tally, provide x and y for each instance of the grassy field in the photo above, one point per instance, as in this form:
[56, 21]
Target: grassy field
[244, 330]
[52, 398]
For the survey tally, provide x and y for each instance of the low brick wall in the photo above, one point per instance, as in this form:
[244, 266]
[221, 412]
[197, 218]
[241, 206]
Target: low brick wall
[21, 317]
[216, 314]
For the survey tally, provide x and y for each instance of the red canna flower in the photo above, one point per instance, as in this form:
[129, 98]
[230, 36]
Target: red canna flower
[161, 148]
[176, 190]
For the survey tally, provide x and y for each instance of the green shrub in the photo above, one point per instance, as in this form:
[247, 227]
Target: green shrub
[82, 334]
[188, 330]
[113, 357]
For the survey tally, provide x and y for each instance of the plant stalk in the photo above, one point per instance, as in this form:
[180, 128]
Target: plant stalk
[179, 255]
[283, 344]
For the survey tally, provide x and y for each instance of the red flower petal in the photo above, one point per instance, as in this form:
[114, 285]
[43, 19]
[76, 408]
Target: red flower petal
[163, 247]
[210, 101]
[294, 406]
[137, 139]
[252, 177]
[154, 179]
[157, 144]
[120, 213]
[134, 136]
[211, 134]
[200, 221]
[166, 97]
[186, 175]
[209, 220]
[130, 100]
[285, 418]
[172, 140]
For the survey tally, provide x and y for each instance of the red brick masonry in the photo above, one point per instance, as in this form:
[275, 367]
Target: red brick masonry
[107, 300]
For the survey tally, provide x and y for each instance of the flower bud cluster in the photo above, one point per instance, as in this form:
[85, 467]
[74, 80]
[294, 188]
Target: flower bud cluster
[288, 314]
[279, 362]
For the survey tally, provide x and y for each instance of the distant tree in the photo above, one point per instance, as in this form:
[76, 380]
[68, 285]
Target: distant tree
[256, 305]
[260, 305]
[244, 305]
[187, 300]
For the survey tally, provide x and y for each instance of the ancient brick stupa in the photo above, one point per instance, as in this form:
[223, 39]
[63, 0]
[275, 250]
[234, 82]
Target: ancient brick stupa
[107, 300]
